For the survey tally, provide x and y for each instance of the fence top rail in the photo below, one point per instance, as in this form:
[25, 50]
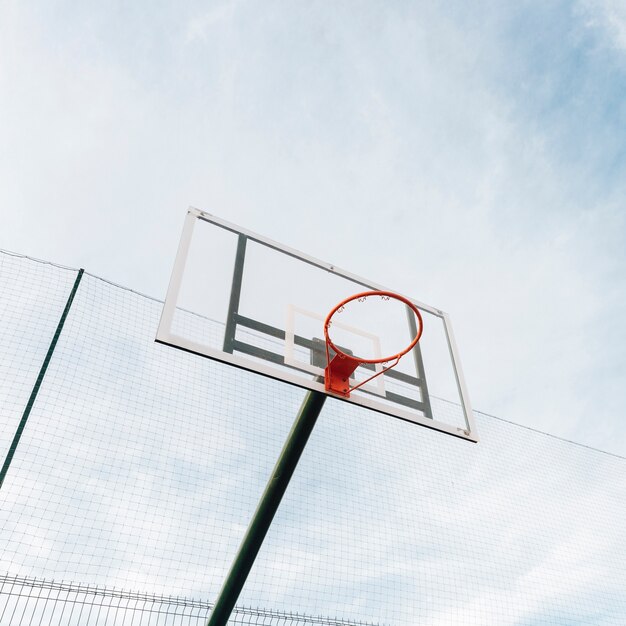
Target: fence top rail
[17, 583]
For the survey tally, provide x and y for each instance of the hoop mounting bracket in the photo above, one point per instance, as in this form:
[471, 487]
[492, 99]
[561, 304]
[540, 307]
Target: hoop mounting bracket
[337, 374]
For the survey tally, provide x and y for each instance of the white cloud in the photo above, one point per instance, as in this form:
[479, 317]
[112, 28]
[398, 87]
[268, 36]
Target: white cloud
[202, 26]
[609, 15]
[423, 149]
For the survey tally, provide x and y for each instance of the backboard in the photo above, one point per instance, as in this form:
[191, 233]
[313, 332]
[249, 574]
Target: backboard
[245, 300]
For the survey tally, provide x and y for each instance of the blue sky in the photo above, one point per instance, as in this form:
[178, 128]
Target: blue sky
[472, 157]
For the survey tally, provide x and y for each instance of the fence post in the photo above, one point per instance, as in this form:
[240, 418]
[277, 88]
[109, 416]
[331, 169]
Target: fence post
[40, 377]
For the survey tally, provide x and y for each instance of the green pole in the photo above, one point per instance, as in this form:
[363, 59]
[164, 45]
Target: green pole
[42, 373]
[267, 507]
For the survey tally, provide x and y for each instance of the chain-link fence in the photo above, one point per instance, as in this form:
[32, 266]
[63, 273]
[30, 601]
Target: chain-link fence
[132, 470]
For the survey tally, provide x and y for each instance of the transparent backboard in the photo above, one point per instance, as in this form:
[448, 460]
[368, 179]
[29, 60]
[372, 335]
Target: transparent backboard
[243, 299]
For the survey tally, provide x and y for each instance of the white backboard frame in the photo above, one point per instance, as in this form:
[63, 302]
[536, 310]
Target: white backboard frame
[166, 336]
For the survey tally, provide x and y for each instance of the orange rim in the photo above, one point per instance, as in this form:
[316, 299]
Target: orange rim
[362, 296]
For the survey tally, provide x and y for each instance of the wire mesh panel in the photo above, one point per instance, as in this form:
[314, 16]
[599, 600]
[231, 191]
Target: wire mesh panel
[28, 601]
[140, 467]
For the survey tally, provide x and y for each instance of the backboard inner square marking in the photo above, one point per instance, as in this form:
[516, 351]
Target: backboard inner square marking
[377, 385]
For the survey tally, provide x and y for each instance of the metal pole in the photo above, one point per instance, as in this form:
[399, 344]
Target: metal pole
[267, 507]
[42, 373]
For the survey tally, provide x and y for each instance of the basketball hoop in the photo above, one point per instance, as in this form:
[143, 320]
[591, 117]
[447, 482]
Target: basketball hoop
[341, 366]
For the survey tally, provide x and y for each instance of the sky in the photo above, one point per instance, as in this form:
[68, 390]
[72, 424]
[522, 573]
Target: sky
[472, 157]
